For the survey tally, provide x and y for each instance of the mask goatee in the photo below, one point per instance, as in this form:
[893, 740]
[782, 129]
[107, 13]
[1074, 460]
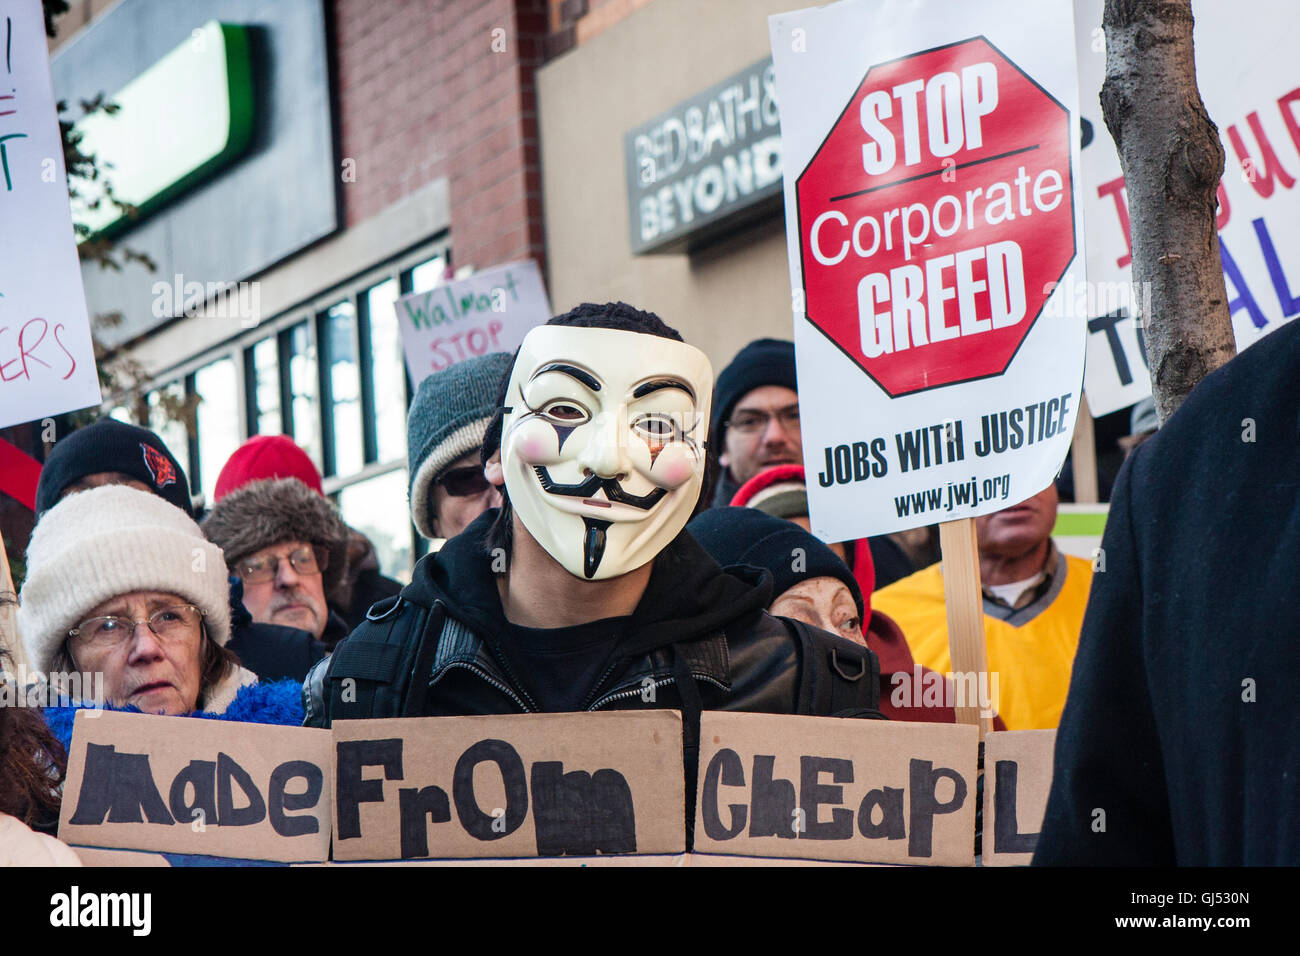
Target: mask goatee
[593, 544]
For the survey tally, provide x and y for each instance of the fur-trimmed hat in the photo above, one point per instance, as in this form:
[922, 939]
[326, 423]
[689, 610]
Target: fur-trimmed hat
[265, 513]
[448, 417]
[95, 545]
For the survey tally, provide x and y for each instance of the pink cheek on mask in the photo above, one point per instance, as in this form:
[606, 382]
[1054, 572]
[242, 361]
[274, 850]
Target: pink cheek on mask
[535, 443]
[672, 472]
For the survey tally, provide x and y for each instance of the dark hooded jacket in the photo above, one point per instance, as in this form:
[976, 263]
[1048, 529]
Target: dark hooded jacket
[699, 639]
[694, 617]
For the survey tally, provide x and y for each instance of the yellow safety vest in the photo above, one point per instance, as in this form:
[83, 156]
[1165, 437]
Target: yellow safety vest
[1031, 658]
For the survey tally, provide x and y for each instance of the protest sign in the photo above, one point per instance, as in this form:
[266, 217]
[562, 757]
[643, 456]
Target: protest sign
[1246, 74]
[190, 786]
[930, 188]
[491, 311]
[832, 789]
[1017, 779]
[47, 361]
[509, 786]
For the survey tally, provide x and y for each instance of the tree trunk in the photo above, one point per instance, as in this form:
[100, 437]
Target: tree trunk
[1172, 160]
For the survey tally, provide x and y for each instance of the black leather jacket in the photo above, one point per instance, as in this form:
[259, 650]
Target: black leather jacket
[695, 618]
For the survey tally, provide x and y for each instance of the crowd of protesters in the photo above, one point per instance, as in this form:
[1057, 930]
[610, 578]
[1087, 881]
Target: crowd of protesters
[604, 516]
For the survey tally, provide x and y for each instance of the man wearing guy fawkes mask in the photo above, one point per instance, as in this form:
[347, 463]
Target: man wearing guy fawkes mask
[583, 591]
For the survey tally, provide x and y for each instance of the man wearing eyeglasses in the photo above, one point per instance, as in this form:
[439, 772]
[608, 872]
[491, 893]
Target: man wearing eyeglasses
[288, 545]
[755, 415]
[444, 431]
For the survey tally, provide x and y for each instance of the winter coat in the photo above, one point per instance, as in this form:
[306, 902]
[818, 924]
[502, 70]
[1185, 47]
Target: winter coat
[22, 846]
[1182, 724]
[236, 699]
[700, 638]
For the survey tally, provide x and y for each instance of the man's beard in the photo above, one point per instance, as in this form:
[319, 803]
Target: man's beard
[307, 607]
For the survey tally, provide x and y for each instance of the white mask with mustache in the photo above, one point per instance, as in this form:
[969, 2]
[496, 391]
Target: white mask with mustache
[603, 444]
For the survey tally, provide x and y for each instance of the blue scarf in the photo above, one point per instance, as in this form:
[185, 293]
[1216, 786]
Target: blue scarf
[261, 703]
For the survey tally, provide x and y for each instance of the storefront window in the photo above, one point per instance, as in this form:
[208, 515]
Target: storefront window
[264, 380]
[299, 359]
[428, 274]
[387, 371]
[218, 421]
[339, 332]
[377, 508]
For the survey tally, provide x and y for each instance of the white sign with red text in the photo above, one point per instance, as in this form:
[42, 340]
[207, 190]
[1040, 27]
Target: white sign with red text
[491, 311]
[47, 360]
[1246, 73]
[931, 217]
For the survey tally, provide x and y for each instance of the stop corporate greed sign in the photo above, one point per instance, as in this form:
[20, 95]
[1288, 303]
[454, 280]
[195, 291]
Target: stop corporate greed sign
[931, 216]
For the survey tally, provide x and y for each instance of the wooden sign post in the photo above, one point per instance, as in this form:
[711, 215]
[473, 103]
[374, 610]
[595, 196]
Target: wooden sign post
[965, 607]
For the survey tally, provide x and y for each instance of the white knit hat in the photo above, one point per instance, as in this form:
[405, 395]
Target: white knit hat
[95, 545]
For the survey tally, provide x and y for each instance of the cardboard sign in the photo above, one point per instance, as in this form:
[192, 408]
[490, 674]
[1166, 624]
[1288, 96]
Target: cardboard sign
[509, 786]
[1245, 69]
[206, 787]
[90, 856]
[829, 789]
[665, 861]
[932, 213]
[1017, 780]
[47, 360]
[491, 311]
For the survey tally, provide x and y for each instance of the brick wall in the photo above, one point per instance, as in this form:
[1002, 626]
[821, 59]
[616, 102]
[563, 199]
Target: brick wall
[422, 93]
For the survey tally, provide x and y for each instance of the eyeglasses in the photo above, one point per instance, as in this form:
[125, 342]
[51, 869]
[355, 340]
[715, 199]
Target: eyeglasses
[754, 423]
[168, 624]
[263, 568]
[462, 482]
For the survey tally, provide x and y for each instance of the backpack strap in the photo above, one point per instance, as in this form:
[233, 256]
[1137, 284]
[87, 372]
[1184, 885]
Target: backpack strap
[837, 678]
[370, 672]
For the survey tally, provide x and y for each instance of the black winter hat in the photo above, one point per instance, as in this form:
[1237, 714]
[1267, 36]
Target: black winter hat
[748, 536]
[110, 445]
[761, 362]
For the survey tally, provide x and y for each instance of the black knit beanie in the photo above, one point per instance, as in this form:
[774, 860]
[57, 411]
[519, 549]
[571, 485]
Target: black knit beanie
[761, 362]
[110, 445]
[748, 536]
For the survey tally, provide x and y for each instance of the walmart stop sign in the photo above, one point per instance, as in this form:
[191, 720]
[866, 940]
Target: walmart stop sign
[937, 216]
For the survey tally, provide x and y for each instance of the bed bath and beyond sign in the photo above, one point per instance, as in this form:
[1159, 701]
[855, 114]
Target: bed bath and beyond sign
[693, 169]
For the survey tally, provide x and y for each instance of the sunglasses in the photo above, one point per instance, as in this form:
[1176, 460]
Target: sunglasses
[462, 482]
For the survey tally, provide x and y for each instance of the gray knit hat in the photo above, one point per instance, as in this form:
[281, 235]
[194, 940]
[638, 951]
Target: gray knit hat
[268, 512]
[104, 542]
[448, 416]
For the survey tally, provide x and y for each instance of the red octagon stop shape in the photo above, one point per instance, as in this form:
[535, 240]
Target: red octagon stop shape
[937, 217]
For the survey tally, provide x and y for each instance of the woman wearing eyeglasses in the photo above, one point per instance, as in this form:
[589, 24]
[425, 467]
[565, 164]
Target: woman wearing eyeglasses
[124, 592]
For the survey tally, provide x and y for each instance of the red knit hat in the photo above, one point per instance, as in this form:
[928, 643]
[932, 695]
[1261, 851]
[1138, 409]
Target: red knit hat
[266, 456]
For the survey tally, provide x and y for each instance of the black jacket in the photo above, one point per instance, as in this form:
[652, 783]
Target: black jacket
[699, 639]
[1182, 724]
[694, 616]
[270, 651]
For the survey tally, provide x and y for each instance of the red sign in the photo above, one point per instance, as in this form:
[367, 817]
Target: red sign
[937, 217]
